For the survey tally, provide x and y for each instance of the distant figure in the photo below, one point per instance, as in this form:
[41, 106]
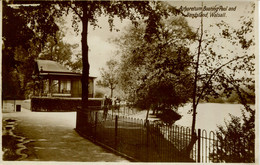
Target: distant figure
[117, 104]
[106, 105]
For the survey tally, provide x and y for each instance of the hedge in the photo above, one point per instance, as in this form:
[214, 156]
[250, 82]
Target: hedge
[55, 104]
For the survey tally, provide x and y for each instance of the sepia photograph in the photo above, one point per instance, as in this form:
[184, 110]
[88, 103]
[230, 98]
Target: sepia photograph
[90, 81]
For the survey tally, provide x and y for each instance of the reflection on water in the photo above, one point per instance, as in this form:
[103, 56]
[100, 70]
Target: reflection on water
[209, 115]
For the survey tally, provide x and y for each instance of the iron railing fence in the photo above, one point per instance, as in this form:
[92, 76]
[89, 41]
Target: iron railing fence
[147, 141]
[122, 110]
[153, 141]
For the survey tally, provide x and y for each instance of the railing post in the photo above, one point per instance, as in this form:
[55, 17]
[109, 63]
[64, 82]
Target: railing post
[147, 140]
[116, 124]
[199, 136]
[14, 105]
[217, 149]
[96, 118]
[112, 112]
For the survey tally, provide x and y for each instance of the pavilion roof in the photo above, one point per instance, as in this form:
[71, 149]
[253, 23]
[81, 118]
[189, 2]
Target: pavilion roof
[54, 68]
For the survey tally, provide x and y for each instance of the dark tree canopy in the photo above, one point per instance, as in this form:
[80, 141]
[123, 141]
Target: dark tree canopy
[35, 22]
[24, 32]
[155, 71]
[87, 12]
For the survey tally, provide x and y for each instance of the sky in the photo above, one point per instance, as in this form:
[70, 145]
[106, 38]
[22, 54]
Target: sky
[101, 50]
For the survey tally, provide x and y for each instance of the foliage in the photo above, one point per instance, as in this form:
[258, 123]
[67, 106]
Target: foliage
[100, 91]
[76, 65]
[233, 98]
[223, 61]
[169, 116]
[154, 71]
[25, 31]
[109, 76]
[42, 16]
[60, 104]
[221, 69]
[87, 12]
[30, 32]
[57, 50]
[38, 21]
[230, 63]
[237, 140]
[99, 94]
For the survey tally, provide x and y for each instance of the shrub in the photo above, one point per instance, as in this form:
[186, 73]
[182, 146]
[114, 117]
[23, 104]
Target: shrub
[55, 104]
[169, 116]
[237, 140]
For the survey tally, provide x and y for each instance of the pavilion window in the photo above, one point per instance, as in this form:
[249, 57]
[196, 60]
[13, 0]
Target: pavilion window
[65, 86]
[55, 86]
[45, 86]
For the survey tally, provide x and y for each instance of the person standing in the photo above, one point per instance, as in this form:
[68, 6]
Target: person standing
[106, 104]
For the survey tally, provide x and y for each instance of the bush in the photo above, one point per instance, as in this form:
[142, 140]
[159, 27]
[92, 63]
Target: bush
[237, 140]
[169, 116]
[99, 94]
[55, 104]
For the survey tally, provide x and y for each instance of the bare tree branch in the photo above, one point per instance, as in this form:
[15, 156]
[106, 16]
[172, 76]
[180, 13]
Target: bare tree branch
[212, 75]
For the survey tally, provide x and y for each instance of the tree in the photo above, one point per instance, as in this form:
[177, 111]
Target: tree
[76, 65]
[109, 76]
[25, 30]
[218, 69]
[55, 49]
[87, 13]
[154, 68]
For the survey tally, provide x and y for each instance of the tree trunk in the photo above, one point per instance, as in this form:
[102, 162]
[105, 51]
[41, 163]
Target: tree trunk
[111, 93]
[194, 137]
[85, 72]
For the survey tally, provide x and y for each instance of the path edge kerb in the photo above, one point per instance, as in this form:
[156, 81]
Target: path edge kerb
[106, 146]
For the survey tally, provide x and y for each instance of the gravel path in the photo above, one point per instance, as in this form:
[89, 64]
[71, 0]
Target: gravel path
[52, 137]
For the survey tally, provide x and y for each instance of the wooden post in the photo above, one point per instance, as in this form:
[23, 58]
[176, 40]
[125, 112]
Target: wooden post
[112, 112]
[49, 90]
[116, 124]
[147, 140]
[96, 124]
[33, 87]
[199, 135]
[14, 105]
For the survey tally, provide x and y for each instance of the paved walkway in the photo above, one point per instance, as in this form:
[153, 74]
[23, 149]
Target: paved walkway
[52, 137]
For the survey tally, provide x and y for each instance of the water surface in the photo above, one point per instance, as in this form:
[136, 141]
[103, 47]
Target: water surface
[209, 115]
